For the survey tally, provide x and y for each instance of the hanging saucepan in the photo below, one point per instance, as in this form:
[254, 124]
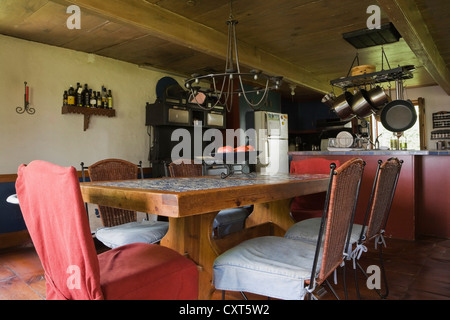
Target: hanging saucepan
[398, 115]
[329, 99]
[361, 105]
[378, 98]
[343, 106]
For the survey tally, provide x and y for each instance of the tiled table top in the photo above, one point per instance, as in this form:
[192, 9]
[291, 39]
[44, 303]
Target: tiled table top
[204, 183]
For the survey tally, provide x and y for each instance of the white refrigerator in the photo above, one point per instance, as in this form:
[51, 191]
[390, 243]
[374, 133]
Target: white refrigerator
[272, 136]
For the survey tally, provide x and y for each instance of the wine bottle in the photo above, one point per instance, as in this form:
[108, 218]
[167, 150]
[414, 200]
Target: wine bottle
[71, 96]
[65, 98]
[104, 98]
[93, 99]
[99, 100]
[110, 100]
[79, 95]
[86, 96]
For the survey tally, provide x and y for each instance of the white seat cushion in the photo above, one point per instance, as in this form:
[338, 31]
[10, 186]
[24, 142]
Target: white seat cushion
[271, 266]
[308, 231]
[132, 232]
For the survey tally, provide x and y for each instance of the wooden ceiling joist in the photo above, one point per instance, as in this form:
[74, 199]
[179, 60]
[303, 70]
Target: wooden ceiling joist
[408, 20]
[182, 31]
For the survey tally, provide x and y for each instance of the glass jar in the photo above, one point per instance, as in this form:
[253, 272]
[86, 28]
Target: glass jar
[403, 143]
[394, 142]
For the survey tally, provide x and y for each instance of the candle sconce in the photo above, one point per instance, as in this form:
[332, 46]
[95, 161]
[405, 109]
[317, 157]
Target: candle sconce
[26, 106]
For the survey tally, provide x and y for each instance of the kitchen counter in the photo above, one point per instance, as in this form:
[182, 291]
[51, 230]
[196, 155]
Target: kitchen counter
[419, 206]
[397, 153]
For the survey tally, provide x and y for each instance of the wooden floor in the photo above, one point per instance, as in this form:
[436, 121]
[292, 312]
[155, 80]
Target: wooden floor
[416, 270]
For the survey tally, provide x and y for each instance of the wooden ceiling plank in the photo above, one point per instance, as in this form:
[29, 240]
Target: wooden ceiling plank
[408, 20]
[182, 31]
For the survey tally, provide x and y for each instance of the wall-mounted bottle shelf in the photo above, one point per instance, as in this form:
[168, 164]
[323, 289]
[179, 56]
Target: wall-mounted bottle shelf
[88, 112]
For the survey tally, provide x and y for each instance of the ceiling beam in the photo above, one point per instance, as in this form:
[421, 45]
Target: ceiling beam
[408, 20]
[182, 31]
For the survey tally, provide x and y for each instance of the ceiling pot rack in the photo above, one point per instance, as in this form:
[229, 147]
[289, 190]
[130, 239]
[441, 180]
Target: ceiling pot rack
[364, 103]
[399, 73]
[391, 74]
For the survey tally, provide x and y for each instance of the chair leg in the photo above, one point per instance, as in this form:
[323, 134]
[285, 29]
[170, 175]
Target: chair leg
[383, 271]
[355, 273]
[244, 296]
[331, 289]
[344, 282]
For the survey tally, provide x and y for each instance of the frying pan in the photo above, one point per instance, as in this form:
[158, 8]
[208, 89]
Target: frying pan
[398, 116]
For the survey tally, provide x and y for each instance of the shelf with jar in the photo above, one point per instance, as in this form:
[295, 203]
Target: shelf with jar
[441, 120]
[88, 102]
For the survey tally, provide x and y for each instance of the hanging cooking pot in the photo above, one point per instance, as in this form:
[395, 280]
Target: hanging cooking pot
[378, 98]
[398, 115]
[329, 99]
[343, 106]
[361, 105]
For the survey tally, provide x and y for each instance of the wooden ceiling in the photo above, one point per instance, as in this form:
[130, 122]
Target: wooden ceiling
[300, 40]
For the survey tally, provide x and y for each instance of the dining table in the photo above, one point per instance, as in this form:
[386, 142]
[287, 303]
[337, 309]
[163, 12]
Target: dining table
[192, 203]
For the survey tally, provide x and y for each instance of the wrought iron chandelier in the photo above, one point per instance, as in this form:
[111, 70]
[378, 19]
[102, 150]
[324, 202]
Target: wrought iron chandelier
[221, 87]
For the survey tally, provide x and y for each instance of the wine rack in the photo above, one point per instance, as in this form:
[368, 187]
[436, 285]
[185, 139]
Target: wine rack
[88, 112]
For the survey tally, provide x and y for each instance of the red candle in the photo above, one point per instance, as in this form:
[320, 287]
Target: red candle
[27, 99]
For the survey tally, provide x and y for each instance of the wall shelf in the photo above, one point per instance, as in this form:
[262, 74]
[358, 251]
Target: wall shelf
[88, 112]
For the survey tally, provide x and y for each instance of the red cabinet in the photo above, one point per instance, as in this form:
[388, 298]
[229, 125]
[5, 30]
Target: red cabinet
[421, 204]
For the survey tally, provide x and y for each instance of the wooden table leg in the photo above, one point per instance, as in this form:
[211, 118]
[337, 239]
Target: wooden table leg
[192, 236]
[276, 212]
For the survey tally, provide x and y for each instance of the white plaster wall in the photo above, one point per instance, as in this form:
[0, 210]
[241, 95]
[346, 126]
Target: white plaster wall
[436, 99]
[48, 134]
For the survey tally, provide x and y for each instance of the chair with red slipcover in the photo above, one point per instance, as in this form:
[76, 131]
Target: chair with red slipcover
[53, 209]
[311, 205]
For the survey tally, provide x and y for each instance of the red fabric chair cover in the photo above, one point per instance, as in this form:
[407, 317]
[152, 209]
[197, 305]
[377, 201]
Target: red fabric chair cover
[53, 210]
[310, 206]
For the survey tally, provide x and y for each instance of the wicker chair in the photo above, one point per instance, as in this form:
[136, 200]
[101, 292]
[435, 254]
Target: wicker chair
[120, 226]
[227, 221]
[185, 168]
[284, 268]
[374, 223]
